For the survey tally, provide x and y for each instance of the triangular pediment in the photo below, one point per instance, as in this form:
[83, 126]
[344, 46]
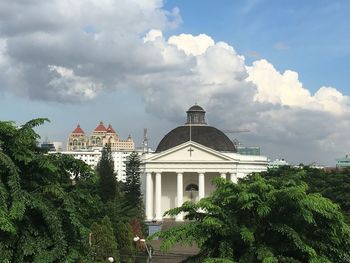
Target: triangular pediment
[189, 152]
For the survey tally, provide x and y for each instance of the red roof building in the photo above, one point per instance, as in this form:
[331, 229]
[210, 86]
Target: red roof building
[110, 129]
[99, 138]
[100, 128]
[78, 130]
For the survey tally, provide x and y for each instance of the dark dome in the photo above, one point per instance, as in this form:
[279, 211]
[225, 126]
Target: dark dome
[196, 108]
[205, 135]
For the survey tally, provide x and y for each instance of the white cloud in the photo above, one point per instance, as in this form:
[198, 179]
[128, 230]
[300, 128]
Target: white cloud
[71, 51]
[67, 85]
[287, 90]
[3, 50]
[195, 45]
[332, 100]
[277, 88]
[283, 116]
[152, 35]
[102, 37]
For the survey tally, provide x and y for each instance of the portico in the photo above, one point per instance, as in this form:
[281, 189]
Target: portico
[201, 187]
[170, 178]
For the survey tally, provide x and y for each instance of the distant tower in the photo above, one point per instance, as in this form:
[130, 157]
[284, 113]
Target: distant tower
[145, 141]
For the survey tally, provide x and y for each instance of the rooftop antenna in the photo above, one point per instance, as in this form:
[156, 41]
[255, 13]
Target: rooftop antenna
[190, 150]
[145, 141]
[190, 129]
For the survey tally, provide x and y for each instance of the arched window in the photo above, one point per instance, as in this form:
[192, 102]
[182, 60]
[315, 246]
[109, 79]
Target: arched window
[75, 142]
[191, 188]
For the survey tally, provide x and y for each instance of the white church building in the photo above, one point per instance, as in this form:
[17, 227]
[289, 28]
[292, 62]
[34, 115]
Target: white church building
[186, 161]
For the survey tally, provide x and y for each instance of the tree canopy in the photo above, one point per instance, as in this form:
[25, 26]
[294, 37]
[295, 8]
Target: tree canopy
[263, 220]
[107, 177]
[103, 242]
[333, 184]
[39, 214]
[51, 203]
[132, 186]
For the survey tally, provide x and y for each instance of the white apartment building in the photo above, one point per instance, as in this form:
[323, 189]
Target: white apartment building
[92, 157]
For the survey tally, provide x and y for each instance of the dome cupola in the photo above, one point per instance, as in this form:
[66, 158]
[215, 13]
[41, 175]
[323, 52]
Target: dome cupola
[197, 130]
[196, 115]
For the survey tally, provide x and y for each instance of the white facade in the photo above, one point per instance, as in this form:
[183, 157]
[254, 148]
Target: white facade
[92, 158]
[185, 172]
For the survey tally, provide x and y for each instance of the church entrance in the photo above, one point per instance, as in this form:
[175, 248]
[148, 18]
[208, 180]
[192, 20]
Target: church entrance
[191, 192]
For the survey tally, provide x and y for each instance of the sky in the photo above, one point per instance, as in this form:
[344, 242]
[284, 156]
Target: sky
[277, 68]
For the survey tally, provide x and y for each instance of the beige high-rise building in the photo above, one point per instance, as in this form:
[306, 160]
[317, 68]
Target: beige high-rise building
[99, 138]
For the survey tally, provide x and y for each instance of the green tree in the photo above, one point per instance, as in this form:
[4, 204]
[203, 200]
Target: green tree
[263, 220]
[132, 187]
[334, 184]
[40, 213]
[107, 177]
[125, 239]
[120, 213]
[103, 242]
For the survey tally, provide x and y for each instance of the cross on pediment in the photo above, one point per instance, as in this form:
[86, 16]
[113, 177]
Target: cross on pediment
[190, 150]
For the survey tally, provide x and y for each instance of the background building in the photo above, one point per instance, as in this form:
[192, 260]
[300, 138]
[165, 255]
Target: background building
[51, 146]
[99, 138]
[89, 148]
[277, 163]
[343, 162]
[92, 157]
[248, 150]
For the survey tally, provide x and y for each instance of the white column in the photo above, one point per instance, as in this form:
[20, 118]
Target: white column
[159, 196]
[180, 186]
[233, 178]
[201, 186]
[149, 197]
[223, 176]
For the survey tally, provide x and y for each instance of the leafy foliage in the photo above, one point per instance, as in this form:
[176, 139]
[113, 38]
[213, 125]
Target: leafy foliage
[334, 184]
[39, 214]
[263, 220]
[49, 203]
